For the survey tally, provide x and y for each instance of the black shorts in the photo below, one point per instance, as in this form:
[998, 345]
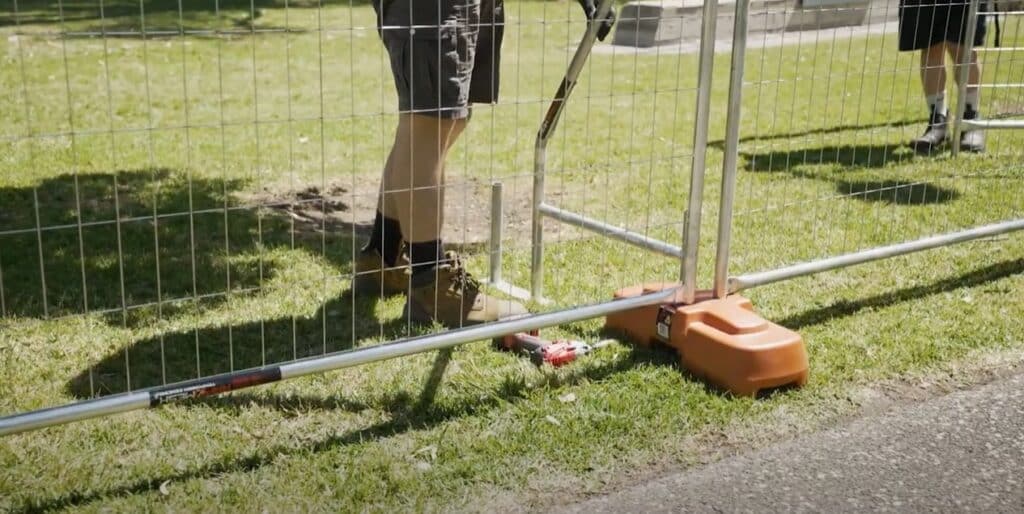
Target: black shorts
[924, 23]
[445, 54]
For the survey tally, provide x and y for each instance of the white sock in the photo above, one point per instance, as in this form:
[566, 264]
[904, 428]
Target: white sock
[937, 102]
[973, 97]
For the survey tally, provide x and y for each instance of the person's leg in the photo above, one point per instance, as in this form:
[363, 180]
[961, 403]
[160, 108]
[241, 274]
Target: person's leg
[440, 289]
[459, 128]
[933, 76]
[413, 185]
[435, 79]
[933, 81]
[388, 210]
[970, 140]
[386, 235]
[956, 35]
[380, 267]
[973, 74]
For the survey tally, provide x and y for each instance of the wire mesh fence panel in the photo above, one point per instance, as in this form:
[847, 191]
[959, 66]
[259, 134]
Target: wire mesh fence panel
[831, 156]
[1002, 76]
[189, 188]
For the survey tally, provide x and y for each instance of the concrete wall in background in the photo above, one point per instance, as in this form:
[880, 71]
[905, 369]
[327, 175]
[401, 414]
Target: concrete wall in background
[648, 23]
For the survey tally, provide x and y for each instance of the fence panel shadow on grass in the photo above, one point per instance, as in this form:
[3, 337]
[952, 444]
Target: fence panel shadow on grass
[222, 283]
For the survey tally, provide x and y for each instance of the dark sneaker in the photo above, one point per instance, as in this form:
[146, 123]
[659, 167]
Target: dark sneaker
[372, 279]
[972, 140]
[452, 297]
[933, 136]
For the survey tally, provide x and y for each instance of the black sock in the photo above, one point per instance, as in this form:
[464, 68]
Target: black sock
[386, 238]
[425, 256]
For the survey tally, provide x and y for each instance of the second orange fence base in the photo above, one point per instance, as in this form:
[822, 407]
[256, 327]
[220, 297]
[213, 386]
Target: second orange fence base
[720, 340]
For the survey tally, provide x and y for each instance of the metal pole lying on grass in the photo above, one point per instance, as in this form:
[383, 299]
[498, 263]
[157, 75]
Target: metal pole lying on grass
[217, 384]
[547, 128]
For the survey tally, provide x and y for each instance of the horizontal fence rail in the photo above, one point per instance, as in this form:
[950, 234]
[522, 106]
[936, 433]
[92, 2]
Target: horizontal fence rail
[154, 397]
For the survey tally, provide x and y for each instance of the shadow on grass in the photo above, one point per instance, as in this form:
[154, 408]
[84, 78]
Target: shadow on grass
[94, 242]
[113, 242]
[128, 243]
[847, 156]
[198, 258]
[853, 157]
[720, 143]
[176, 357]
[407, 412]
[846, 308]
[896, 192]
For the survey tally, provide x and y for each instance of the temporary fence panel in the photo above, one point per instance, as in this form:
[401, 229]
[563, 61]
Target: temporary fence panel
[818, 172]
[1004, 62]
[192, 185]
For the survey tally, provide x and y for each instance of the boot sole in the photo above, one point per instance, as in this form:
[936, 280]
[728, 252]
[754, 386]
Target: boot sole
[420, 315]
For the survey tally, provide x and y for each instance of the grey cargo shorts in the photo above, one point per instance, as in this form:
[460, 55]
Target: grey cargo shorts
[445, 54]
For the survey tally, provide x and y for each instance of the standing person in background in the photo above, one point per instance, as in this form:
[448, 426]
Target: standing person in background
[445, 55]
[937, 28]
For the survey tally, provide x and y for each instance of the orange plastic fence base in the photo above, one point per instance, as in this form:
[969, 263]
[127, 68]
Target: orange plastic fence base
[720, 340]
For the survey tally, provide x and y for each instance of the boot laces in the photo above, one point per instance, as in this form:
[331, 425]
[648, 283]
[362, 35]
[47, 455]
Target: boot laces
[461, 280]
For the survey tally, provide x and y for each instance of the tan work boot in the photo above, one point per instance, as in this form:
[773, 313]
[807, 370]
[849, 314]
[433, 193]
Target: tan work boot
[371, 279]
[450, 296]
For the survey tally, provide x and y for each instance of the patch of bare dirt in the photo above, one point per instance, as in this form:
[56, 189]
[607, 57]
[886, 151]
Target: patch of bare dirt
[340, 205]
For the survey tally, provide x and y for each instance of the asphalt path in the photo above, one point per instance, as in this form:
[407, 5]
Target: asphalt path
[963, 452]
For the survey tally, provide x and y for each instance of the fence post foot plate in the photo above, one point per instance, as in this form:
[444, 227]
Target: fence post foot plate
[721, 340]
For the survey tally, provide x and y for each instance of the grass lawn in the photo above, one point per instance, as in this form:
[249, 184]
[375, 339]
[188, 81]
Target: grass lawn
[159, 166]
